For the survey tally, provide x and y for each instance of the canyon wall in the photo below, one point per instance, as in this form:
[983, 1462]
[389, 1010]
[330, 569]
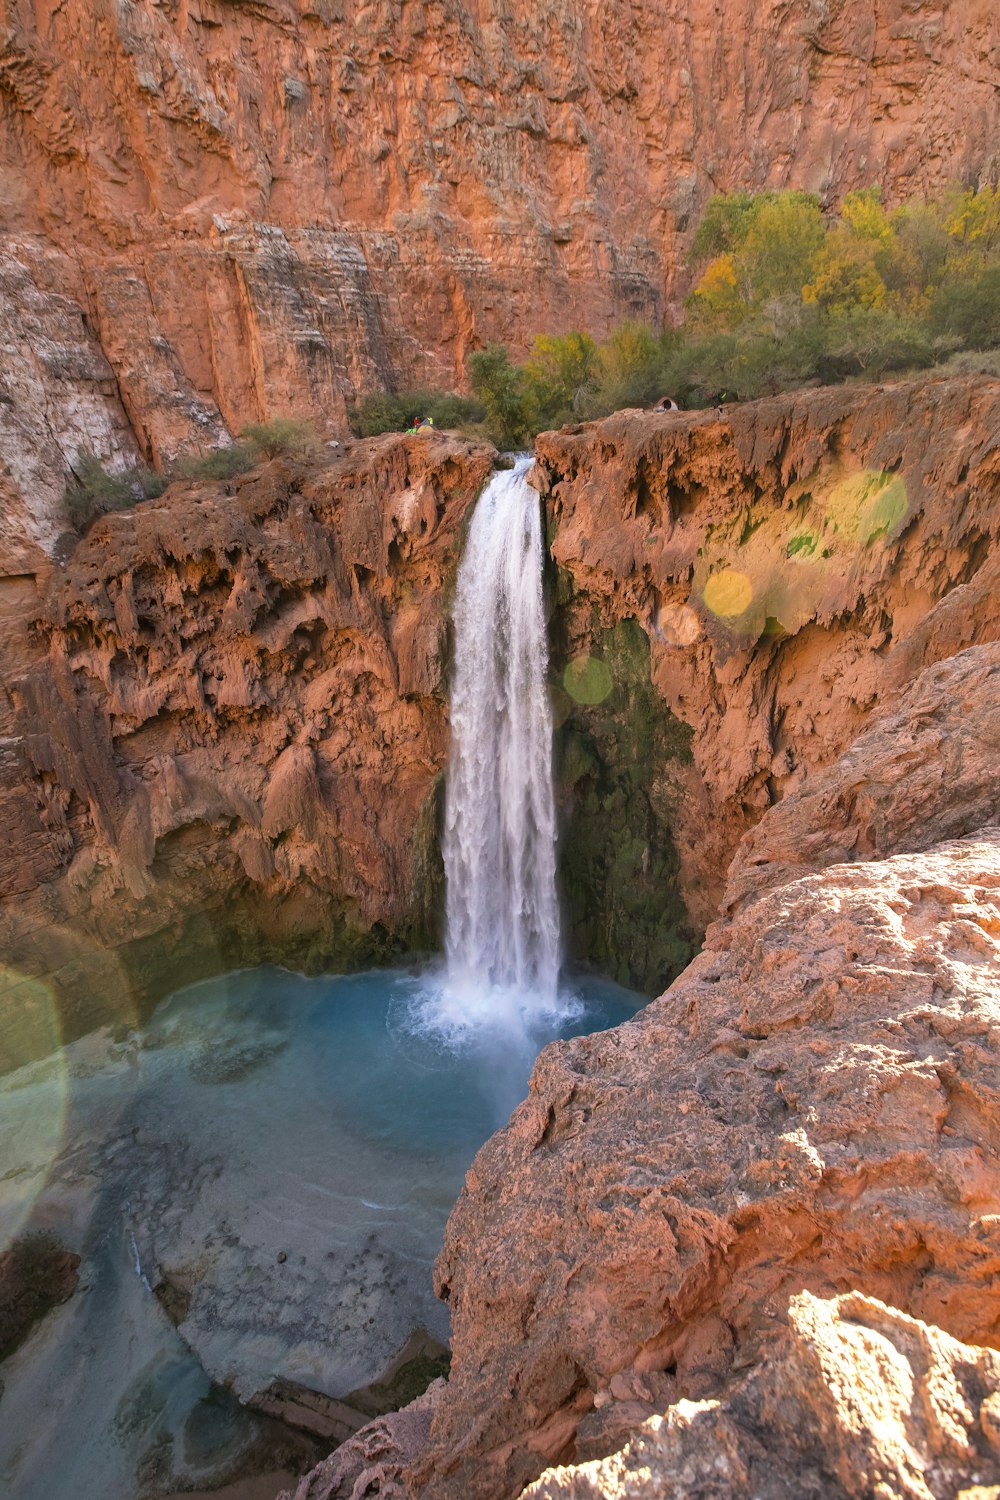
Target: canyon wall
[748, 586]
[793, 563]
[223, 728]
[218, 211]
[223, 719]
[746, 1244]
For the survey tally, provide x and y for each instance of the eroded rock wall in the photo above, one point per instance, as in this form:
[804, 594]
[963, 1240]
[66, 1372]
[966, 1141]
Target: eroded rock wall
[793, 563]
[264, 207]
[223, 734]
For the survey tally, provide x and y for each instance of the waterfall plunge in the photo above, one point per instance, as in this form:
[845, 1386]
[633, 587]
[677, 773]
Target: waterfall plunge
[500, 830]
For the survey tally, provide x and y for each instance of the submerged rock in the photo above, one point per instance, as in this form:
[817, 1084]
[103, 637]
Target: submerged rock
[36, 1274]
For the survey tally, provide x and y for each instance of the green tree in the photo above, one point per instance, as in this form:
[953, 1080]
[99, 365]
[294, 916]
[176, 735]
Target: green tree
[783, 239]
[559, 369]
[500, 387]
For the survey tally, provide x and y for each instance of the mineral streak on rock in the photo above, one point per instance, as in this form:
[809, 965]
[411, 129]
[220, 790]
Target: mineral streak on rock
[262, 207]
[223, 733]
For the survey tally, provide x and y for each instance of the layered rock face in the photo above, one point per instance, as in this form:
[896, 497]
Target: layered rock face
[222, 737]
[216, 211]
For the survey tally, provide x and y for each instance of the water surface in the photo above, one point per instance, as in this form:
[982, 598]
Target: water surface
[281, 1155]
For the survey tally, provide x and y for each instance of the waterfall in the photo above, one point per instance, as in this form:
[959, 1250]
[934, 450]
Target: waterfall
[500, 829]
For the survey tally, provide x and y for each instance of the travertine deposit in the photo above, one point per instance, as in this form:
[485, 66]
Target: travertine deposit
[216, 211]
[222, 737]
[794, 563]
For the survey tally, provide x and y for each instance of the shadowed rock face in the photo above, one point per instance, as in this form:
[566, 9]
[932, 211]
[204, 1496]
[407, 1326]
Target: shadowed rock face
[223, 733]
[222, 211]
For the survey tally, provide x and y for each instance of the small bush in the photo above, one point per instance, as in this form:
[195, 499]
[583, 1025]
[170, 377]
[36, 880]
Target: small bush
[281, 435]
[395, 411]
[95, 490]
[220, 463]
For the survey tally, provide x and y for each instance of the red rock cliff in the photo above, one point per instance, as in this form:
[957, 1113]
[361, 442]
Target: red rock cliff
[215, 211]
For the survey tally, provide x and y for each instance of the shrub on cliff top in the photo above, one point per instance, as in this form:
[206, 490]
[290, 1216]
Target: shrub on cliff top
[220, 463]
[784, 296]
[394, 411]
[94, 490]
[282, 435]
[500, 386]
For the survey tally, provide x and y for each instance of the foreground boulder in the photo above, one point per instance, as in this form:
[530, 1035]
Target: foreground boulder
[855, 1400]
[813, 1105]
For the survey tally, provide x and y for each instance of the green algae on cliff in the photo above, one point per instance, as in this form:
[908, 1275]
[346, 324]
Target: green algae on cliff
[617, 864]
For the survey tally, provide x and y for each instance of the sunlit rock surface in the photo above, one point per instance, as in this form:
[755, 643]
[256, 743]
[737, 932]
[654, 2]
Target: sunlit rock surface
[854, 1400]
[269, 206]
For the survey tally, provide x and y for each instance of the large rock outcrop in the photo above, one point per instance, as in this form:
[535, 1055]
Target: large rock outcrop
[223, 733]
[793, 563]
[855, 1400]
[811, 1107]
[220, 211]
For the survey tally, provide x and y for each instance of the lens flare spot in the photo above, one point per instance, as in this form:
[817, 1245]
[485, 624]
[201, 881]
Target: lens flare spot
[884, 510]
[33, 1102]
[728, 593]
[863, 507]
[587, 680]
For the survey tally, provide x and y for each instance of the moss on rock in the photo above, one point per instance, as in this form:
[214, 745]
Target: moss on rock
[614, 765]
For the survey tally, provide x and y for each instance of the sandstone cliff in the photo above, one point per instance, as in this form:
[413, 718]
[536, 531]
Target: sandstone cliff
[215, 211]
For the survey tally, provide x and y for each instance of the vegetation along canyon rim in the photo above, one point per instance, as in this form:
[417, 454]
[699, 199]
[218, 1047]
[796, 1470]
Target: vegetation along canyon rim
[500, 875]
